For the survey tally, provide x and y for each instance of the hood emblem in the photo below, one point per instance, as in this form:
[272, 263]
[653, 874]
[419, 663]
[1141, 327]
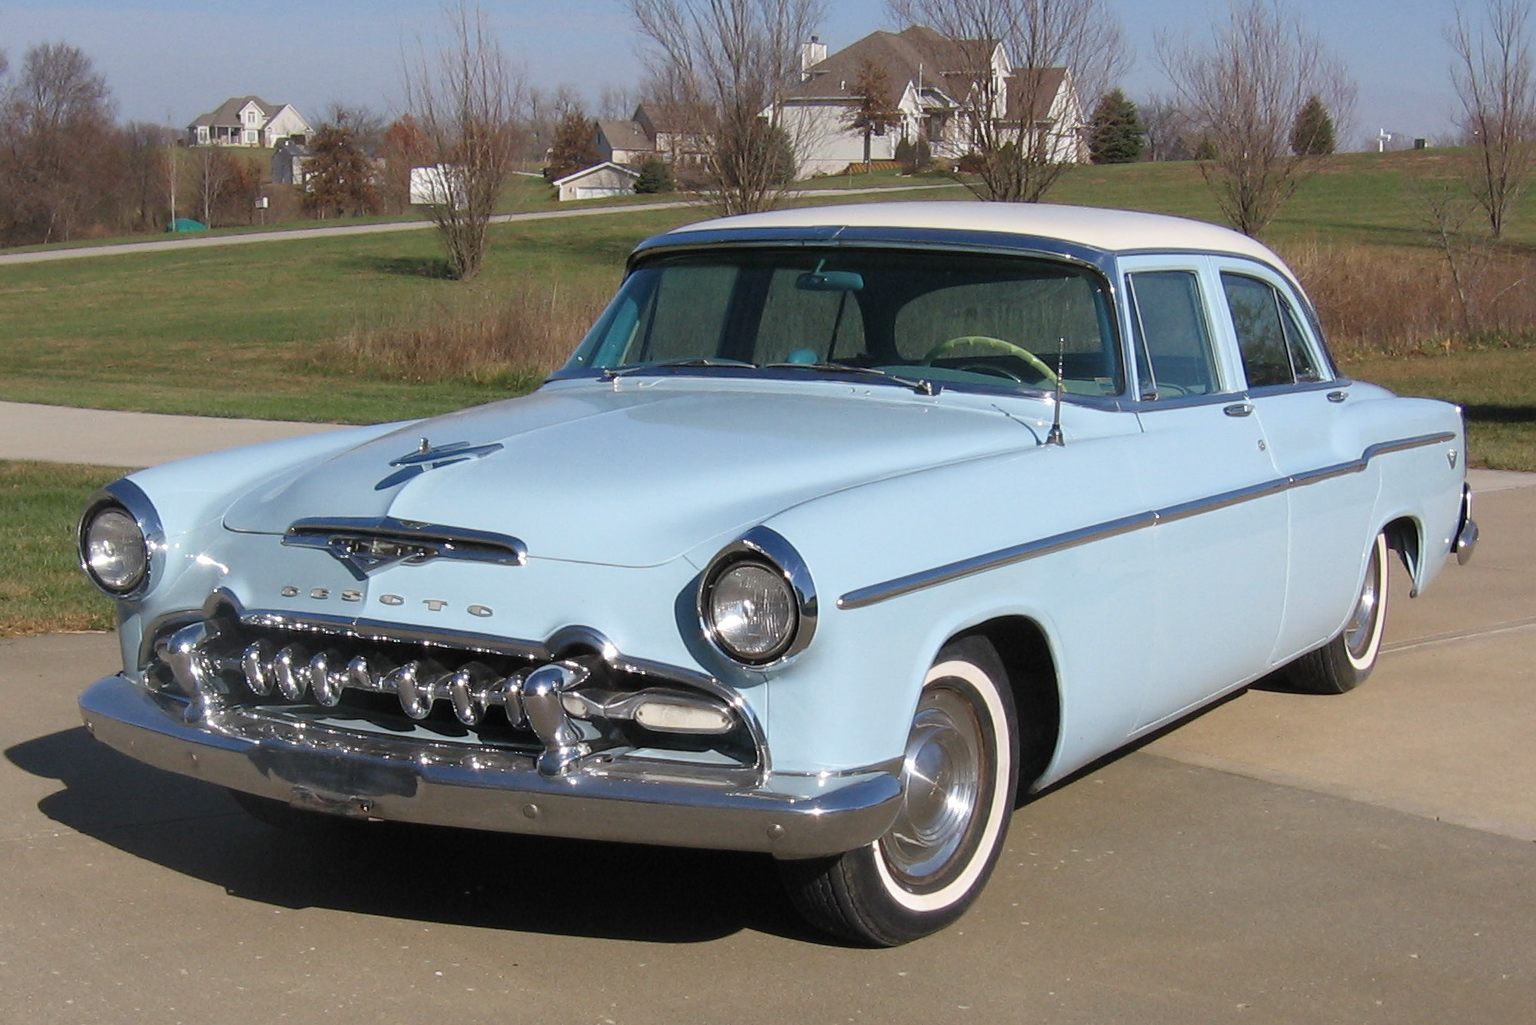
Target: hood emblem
[427, 456]
[366, 554]
[366, 544]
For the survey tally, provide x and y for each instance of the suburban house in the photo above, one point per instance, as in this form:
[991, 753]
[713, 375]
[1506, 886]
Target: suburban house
[597, 181]
[248, 121]
[288, 160]
[933, 82]
[656, 130]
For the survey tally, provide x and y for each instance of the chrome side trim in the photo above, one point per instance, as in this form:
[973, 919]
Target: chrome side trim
[992, 560]
[898, 586]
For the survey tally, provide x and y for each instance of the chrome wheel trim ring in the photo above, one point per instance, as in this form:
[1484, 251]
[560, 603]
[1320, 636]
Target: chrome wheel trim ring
[944, 775]
[1361, 632]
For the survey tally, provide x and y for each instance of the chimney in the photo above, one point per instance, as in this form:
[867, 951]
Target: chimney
[811, 54]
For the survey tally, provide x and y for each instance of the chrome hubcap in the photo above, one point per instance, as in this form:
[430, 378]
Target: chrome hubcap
[1362, 621]
[941, 784]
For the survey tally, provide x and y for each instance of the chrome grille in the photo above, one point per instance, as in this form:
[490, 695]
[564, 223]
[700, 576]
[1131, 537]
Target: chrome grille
[567, 708]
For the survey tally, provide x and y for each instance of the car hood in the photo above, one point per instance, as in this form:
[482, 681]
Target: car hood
[636, 474]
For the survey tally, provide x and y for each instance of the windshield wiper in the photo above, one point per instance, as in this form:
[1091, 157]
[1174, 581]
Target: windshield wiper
[690, 362]
[918, 385]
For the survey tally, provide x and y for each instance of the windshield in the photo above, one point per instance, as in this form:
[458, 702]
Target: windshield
[952, 319]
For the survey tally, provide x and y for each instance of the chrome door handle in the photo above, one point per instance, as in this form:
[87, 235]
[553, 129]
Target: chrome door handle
[1238, 409]
[1337, 396]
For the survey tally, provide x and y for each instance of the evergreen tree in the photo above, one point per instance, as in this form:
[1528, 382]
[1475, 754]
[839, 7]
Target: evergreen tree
[338, 176]
[655, 176]
[574, 146]
[1115, 133]
[1312, 133]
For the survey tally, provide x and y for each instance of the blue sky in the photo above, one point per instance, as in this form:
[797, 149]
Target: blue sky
[169, 60]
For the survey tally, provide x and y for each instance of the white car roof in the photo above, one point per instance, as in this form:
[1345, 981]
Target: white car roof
[1110, 230]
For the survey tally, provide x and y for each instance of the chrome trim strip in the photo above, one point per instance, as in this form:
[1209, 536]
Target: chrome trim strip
[898, 586]
[992, 560]
[402, 779]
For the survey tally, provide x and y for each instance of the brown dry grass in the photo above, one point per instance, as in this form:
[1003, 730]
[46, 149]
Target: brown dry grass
[511, 338]
[1390, 301]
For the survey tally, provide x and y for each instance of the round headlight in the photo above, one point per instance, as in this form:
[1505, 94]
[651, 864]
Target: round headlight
[114, 551]
[752, 612]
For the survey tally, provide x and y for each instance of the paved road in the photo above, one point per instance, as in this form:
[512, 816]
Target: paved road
[250, 238]
[1281, 859]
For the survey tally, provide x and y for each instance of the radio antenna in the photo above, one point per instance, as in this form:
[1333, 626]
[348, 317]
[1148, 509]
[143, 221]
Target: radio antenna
[1055, 438]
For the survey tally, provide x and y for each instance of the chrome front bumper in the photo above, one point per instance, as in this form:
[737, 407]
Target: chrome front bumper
[409, 780]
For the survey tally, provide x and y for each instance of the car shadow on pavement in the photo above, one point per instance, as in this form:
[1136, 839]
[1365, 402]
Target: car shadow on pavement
[446, 876]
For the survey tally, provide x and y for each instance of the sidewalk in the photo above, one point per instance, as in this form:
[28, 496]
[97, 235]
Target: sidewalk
[61, 434]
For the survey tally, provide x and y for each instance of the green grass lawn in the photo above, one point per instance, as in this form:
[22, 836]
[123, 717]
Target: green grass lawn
[1496, 389]
[235, 332]
[42, 589]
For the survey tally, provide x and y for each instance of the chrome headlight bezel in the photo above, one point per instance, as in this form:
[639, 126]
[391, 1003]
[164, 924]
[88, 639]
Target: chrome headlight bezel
[765, 548]
[126, 497]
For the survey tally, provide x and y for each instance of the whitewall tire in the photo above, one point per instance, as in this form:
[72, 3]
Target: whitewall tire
[960, 778]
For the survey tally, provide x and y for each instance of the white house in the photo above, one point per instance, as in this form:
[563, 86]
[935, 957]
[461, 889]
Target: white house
[597, 182]
[933, 86]
[248, 121]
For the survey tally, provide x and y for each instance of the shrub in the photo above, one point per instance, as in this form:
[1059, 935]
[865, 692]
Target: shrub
[655, 177]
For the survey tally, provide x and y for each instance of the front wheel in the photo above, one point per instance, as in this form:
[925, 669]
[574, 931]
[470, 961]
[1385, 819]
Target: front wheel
[959, 778]
[1345, 662]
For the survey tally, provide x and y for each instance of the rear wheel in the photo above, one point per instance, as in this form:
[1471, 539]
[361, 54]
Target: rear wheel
[1346, 661]
[959, 776]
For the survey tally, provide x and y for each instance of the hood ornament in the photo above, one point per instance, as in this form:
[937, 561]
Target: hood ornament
[426, 456]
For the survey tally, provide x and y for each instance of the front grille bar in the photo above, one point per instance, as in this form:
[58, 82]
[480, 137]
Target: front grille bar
[543, 699]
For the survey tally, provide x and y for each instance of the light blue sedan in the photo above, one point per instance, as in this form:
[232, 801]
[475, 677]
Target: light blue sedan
[842, 530]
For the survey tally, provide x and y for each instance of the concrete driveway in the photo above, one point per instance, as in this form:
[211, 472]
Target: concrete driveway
[1281, 859]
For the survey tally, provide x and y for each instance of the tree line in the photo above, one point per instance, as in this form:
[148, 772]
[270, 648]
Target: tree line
[1255, 105]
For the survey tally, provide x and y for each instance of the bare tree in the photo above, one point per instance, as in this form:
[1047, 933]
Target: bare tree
[1493, 76]
[465, 103]
[56, 113]
[1170, 135]
[147, 164]
[1007, 56]
[874, 110]
[541, 113]
[722, 68]
[615, 103]
[1243, 91]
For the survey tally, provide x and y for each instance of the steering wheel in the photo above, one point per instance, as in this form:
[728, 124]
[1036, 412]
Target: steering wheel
[990, 344]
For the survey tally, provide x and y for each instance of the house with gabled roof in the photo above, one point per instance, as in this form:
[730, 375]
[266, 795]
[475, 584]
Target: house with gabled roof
[674, 133]
[248, 121]
[934, 86]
